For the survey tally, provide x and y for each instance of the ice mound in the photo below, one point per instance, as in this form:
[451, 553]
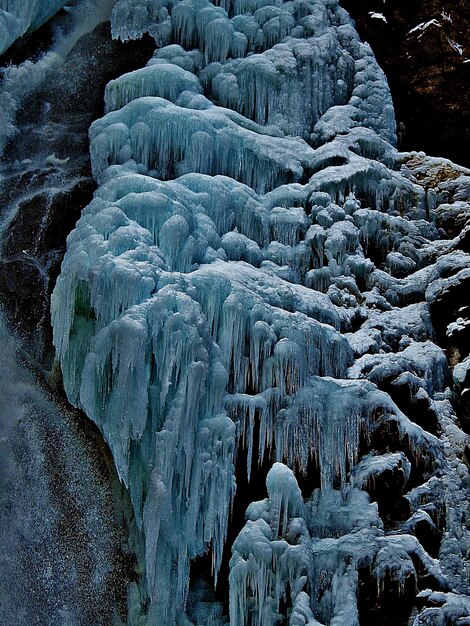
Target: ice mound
[293, 548]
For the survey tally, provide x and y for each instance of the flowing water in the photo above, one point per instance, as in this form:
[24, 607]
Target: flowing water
[58, 523]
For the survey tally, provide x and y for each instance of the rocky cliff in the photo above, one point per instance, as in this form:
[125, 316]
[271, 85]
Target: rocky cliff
[424, 48]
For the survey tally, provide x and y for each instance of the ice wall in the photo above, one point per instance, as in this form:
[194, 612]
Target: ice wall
[252, 275]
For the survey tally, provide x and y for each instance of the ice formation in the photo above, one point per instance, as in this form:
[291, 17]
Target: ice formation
[17, 18]
[256, 275]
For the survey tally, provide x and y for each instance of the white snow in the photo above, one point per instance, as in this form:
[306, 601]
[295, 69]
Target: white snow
[378, 16]
[422, 26]
[456, 46]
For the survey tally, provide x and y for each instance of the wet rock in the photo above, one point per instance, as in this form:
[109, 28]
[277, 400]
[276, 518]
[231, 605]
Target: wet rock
[46, 179]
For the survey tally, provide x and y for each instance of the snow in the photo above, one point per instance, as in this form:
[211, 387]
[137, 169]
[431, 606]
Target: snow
[449, 607]
[422, 26]
[461, 370]
[371, 466]
[446, 16]
[455, 46]
[378, 16]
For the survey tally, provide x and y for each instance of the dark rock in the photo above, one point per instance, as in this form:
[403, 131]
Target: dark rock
[33, 248]
[450, 304]
[427, 74]
[387, 603]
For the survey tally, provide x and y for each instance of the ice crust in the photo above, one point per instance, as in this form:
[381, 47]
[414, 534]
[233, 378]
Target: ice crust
[316, 548]
[255, 268]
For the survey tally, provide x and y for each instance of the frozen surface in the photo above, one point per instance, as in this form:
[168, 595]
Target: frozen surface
[254, 279]
[289, 546]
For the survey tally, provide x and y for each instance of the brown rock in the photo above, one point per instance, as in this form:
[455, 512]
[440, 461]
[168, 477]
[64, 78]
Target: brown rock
[426, 69]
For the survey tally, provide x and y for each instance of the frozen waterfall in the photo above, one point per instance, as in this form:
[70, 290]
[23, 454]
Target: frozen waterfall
[253, 284]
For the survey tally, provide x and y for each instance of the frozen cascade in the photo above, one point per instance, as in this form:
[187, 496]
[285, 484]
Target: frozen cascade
[256, 275]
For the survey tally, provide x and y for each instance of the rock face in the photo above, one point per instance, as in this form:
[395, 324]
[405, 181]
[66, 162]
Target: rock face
[46, 176]
[424, 48]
